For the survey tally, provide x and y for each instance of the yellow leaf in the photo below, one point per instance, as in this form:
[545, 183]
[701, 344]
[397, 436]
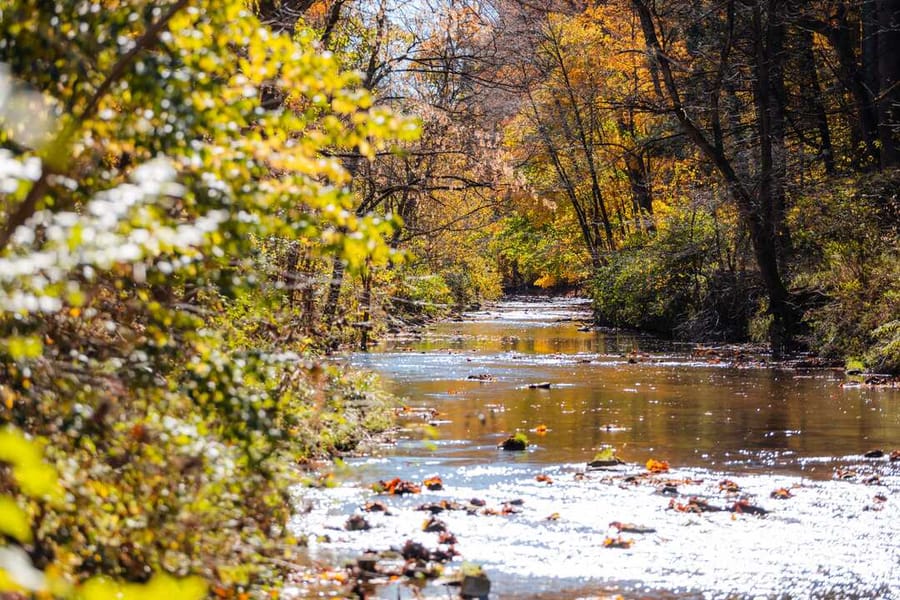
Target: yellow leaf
[14, 521]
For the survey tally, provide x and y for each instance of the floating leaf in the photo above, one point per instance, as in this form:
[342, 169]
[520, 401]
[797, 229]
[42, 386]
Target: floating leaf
[781, 494]
[434, 483]
[657, 466]
[617, 542]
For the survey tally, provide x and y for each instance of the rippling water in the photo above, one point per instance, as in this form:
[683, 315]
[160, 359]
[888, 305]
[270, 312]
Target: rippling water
[763, 429]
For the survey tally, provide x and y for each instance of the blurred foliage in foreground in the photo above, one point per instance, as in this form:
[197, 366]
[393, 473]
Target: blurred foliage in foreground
[155, 159]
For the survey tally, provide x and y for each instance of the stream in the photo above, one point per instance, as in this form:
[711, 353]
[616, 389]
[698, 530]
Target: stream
[739, 439]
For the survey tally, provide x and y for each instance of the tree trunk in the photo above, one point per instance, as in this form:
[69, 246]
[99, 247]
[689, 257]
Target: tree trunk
[841, 37]
[641, 197]
[755, 209]
[329, 310]
[888, 95]
[811, 94]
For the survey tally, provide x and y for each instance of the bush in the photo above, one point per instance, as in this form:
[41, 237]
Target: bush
[849, 235]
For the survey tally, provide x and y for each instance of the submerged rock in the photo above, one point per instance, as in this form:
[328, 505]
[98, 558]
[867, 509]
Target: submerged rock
[605, 463]
[516, 443]
[483, 377]
[357, 523]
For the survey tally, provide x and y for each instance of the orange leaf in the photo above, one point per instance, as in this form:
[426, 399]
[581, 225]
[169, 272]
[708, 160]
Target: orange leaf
[434, 483]
[657, 466]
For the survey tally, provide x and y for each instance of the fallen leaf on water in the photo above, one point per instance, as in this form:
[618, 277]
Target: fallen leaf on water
[375, 507]
[844, 474]
[396, 487]
[446, 537]
[781, 494]
[544, 479]
[541, 430]
[726, 485]
[434, 525]
[434, 483]
[744, 507]
[439, 507]
[631, 527]
[657, 466]
[694, 505]
[553, 517]
[617, 542]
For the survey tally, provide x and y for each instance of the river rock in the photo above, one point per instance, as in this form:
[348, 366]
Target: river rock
[357, 523]
[514, 444]
[475, 586]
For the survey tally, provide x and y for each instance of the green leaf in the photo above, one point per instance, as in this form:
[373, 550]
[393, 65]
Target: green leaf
[606, 454]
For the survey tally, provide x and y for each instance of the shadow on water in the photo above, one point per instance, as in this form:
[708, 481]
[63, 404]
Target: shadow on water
[832, 535]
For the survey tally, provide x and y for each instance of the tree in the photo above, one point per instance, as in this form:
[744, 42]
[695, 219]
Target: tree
[136, 308]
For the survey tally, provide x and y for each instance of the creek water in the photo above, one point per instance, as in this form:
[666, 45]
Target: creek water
[831, 531]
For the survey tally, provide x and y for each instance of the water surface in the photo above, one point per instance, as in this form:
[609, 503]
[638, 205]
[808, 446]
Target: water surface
[762, 428]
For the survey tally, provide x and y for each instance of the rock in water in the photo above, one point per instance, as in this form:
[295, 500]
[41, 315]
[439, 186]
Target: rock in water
[475, 586]
[515, 443]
